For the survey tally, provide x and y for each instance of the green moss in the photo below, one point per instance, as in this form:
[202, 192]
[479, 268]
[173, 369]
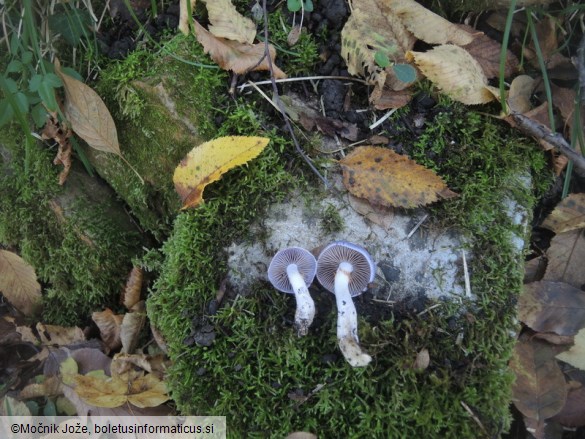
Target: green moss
[76, 239]
[163, 108]
[268, 382]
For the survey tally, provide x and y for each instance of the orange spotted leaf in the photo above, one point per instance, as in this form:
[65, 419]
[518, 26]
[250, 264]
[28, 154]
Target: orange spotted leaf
[386, 178]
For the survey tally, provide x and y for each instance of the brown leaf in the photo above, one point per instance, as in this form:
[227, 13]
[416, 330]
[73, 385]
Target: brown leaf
[487, 53]
[18, 283]
[158, 338]
[552, 307]
[60, 134]
[564, 100]
[51, 386]
[534, 269]
[455, 72]
[565, 258]
[294, 35]
[238, 57]
[132, 324]
[559, 340]
[109, 325]
[387, 98]
[573, 412]
[226, 22]
[568, 215]
[539, 391]
[88, 115]
[389, 179]
[59, 335]
[520, 92]
[131, 294]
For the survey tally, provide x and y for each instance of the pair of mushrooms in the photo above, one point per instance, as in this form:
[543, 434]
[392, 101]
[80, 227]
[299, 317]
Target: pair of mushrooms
[343, 268]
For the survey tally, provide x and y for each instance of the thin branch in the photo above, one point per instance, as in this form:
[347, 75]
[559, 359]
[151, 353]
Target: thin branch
[305, 78]
[279, 102]
[539, 131]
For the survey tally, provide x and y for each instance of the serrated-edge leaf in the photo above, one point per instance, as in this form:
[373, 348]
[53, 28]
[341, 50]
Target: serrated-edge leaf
[18, 283]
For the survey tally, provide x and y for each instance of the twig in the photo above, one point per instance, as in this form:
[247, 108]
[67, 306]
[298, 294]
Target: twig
[474, 417]
[305, 78]
[279, 102]
[535, 129]
[383, 118]
[466, 274]
[415, 228]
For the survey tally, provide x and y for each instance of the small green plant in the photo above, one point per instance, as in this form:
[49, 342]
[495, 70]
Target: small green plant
[404, 72]
[297, 5]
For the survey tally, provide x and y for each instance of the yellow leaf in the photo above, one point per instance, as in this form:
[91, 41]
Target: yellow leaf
[104, 391]
[207, 162]
[226, 22]
[373, 27]
[88, 115]
[235, 56]
[18, 283]
[428, 26]
[455, 72]
[68, 370]
[568, 215]
[389, 179]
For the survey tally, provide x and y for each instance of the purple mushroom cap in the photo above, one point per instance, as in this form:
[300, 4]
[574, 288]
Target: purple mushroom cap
[277, 270]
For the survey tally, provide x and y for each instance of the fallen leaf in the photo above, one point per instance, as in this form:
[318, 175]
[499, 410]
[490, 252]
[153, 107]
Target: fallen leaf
[568, 215]
[60, 134]
[294, 35]
[49, 387]
[59, 335]
[564, 100]
[226, 22]
[389, 179]
[88, 115]
[109, 325]
[559, 340]
[238, 57]
[131, 294]
[372, 27]
[103, 391]
[576, 355]
[519, 94]
[386, 98]
[539, 391]
[455, 72]
[565, 258]
[573, 412]
[18, 283]
[487, 53]
[534, 269]
[552, 307]
[428, 26]
[158, 338]
[132, 324]
[207, 162]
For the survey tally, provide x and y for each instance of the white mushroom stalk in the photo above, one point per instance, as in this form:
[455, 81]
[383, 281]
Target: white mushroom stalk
[346, 270]
[305, 312]
[291, 271]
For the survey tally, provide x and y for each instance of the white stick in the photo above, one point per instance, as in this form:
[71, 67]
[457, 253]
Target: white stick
[305, 312]
[347, 325]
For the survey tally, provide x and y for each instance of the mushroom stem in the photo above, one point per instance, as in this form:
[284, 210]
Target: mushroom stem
[347, 325]
[305, 312]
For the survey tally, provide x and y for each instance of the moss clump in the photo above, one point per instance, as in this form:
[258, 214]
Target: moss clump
[77, 238]
[268, 382]
[163, 108]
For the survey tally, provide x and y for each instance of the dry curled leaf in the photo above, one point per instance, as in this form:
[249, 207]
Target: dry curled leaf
[132, 324]
[520, 92]
[389, 179]
[18, 283]
[226, 22]
[59, 335]
[109, 325]
[60, 134]
[238, 57]
[552, 307]
[207, 162]
[539, 390]
[131, 294]
[568, 215]
[565, 258]
[455, 72]
[88, 115]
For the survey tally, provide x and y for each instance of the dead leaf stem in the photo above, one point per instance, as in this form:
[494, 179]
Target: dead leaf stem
[279, 102]
[539, 131]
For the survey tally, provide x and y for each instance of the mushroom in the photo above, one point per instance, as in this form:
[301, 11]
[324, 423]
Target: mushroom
[346, 269]
[291, 271]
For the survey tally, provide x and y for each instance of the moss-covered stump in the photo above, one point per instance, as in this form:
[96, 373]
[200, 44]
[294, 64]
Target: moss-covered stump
[163, 108]
[78, 237]
[244, 361]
